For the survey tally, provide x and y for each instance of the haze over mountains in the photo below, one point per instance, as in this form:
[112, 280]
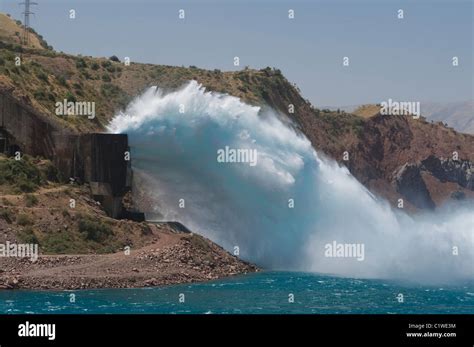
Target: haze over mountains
[459, 114]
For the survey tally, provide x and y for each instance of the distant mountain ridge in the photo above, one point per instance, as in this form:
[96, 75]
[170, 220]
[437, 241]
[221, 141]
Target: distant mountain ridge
[458, 114]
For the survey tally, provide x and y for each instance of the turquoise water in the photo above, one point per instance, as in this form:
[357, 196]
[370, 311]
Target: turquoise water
[266, 292]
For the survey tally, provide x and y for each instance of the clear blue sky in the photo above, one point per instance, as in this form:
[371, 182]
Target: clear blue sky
[406, 59]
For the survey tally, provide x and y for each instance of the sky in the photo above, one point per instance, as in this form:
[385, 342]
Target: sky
[406, 59]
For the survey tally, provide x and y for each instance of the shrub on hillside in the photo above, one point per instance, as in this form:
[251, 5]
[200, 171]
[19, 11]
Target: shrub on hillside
[22, 174]
[6, 215]
[62, 81]
[26, 186]
[105, 64]
[39, 94]
[70, 97]
[42, 76]
[50, 172]
[27, 235]
[94, 230]
[81, 63]
[58, 243]
[86, 75]
[30, 200]
[23, 219]
[106, 78]
[110, 90]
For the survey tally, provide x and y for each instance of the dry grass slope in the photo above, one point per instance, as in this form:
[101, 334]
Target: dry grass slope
[11, 32]
[367, 111]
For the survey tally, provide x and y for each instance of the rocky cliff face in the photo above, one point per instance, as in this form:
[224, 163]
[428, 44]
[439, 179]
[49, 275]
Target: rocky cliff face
[421, 162]
[450, 170]
[409, 179]
[409, 182]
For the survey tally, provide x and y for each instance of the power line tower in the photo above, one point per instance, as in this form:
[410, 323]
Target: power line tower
[26, 23]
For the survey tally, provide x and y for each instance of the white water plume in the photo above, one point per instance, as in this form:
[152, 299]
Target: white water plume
[244, 206]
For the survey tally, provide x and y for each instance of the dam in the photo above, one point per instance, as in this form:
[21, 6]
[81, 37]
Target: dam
[98, 159]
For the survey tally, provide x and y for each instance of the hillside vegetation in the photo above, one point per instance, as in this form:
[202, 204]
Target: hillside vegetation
[46, 77]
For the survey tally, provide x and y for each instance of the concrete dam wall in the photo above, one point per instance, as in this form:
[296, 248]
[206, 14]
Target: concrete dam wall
[95, 158]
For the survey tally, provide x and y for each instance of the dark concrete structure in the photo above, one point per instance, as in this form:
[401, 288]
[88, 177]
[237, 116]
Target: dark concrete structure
[98, 159]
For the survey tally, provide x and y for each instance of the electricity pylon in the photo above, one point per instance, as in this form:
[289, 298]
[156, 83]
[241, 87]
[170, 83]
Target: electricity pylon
[26, 23]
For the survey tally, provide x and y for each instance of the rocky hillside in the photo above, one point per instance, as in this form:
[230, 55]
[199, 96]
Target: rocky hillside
[379, 148]
[81, 247]
[35, 208]
[389, 143]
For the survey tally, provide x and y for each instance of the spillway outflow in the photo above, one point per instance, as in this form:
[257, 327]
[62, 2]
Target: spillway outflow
[285, 211]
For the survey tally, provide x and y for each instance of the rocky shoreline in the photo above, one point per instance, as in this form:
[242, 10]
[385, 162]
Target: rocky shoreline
[173, 258]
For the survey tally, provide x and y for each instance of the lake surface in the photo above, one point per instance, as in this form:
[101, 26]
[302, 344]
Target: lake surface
[266, 292]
